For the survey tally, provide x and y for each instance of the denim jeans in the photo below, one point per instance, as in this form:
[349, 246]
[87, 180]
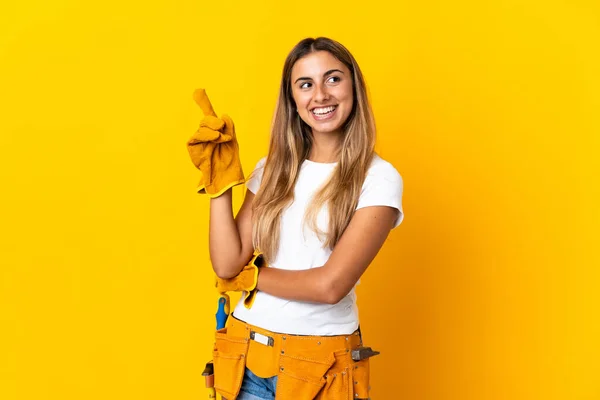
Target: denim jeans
[256, 388]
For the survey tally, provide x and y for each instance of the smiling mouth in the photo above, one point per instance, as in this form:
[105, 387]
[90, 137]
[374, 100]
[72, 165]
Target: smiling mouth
[322, 111]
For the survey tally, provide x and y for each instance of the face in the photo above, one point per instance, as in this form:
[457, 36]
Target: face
[322, 90]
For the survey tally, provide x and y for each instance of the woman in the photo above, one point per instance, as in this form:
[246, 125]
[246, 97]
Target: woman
[318, 207]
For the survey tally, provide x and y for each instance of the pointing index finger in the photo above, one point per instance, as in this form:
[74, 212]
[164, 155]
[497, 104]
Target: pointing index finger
[202, 100]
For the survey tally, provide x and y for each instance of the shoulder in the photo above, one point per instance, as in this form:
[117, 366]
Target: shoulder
[261, 163]
[383, 186]
[382, 170]
[260, 166]
[254, 180]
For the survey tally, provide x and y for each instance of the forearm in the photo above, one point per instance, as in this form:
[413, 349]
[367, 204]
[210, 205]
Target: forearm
[224, 238]
[305, 285]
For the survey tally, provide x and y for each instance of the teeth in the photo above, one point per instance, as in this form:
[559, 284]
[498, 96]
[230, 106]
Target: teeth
[323, 111]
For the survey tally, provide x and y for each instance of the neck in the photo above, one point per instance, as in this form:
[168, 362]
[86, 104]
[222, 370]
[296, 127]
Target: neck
[325, 147]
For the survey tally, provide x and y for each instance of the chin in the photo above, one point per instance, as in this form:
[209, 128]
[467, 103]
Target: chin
[327, 130]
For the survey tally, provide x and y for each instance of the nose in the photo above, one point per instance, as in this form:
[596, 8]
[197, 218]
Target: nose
[321, 94]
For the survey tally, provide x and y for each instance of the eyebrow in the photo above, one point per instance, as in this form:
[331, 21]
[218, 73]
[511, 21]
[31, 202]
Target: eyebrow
[331, 71]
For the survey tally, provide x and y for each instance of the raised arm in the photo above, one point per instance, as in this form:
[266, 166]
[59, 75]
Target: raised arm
[356, 249]
[230, 240]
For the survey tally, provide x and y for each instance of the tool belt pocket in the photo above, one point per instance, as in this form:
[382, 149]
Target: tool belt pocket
[229, 359]
[359, 376]
[338, 383]
[301, 378]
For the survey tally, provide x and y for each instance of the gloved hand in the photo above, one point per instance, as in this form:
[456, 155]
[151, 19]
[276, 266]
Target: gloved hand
[214, 150]
[245, 281]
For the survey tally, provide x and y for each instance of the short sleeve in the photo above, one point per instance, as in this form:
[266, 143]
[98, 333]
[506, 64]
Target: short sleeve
[253, 182]
[383, 186]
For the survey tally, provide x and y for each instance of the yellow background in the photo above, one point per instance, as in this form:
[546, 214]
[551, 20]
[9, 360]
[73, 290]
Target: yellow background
[489, 110]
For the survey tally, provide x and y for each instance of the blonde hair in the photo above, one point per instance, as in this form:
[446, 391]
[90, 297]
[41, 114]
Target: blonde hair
[290, 144]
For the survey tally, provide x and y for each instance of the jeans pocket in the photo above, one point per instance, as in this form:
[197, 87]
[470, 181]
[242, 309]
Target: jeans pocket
[229, 359]
[359, 376]
[301, 378]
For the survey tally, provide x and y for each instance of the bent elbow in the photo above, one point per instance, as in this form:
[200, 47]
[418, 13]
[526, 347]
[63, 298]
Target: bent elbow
[332, 294]
[226, 267]
[331, 299]
[226, 271]
[223, 274]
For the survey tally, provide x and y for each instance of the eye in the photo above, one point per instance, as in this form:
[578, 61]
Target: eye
[335, 78]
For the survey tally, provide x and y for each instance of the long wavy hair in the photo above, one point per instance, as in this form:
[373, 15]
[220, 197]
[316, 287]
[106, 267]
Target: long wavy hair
[290, 144]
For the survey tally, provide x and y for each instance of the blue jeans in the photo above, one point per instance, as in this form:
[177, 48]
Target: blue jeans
[256, 388]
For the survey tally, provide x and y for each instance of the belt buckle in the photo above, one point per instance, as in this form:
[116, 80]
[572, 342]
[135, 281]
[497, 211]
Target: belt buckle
[262, 339]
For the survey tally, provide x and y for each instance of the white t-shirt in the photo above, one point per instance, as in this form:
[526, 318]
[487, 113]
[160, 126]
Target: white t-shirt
[300, 248]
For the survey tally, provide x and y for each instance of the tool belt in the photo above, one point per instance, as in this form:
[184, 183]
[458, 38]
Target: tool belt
[307, 367]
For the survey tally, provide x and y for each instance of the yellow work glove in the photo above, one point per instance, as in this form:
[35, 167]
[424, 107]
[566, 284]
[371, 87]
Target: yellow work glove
[245, 281]
[214, 150]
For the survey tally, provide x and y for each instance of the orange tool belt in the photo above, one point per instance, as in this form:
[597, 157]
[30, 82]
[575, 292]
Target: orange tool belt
[308, 367]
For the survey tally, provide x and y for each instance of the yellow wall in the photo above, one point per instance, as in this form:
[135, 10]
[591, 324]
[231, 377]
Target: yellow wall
[490, 111]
